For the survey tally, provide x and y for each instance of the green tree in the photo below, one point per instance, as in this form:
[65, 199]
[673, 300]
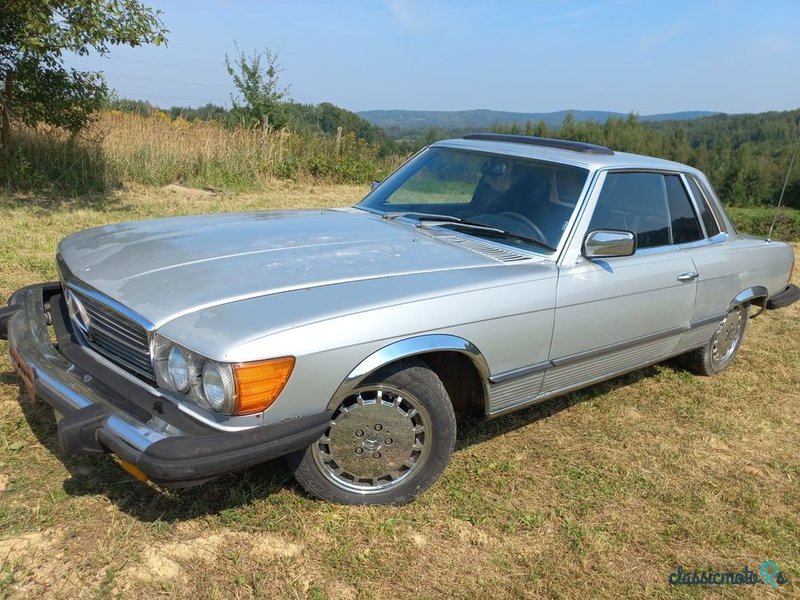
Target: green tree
[258, 92]
[792, 197]
[528, 127]
[569, 126]
[35, 35]
[541, 129]
[680, 149]
[700, 158]
[432, 135]
[739, 182]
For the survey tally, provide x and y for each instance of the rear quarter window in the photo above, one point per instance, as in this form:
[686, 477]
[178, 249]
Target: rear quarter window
[706, 214]
[685, 226]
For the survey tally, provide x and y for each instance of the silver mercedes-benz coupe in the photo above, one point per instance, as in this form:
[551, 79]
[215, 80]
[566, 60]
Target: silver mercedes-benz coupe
[486, 274]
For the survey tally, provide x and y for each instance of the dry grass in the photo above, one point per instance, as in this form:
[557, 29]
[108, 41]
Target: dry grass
[157, 150]
[599, 494]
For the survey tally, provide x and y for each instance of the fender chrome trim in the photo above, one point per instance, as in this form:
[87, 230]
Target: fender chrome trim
[407, 348]
[756, 292]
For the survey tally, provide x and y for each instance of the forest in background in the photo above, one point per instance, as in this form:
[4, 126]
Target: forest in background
[410, 124]
[746, 156]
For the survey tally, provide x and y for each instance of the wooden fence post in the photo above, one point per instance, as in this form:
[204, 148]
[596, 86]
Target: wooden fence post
[264, 133]
[338, 140]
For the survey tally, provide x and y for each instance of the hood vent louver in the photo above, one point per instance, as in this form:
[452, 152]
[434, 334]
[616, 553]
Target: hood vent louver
[488, 250]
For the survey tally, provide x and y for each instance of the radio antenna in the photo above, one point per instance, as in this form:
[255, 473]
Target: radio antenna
[783, 191]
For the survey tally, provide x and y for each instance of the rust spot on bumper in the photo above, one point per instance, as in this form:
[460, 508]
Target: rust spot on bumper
[26, 374]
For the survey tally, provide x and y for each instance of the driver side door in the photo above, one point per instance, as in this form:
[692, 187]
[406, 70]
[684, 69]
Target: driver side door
[617, 314]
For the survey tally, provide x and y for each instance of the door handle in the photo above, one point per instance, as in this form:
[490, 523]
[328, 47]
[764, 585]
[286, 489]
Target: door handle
[688, 276]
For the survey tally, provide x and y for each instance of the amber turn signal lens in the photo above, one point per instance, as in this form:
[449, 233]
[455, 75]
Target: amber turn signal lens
[259, 383]
[133, 470]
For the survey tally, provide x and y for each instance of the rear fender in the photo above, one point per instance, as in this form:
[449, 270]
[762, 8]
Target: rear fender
[756, 294]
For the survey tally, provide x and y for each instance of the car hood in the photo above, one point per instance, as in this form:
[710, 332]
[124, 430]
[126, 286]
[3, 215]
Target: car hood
[166, 268]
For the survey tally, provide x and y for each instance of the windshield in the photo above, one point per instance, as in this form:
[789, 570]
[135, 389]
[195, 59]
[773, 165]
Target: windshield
[530, 201]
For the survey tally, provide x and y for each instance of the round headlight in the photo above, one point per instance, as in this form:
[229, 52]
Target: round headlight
[178, 369]
[218, 386]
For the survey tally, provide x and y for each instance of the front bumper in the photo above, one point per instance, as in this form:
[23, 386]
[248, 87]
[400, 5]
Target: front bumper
[102, 408]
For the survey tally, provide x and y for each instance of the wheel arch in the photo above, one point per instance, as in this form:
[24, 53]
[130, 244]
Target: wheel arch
[445, 354]
[752, 295]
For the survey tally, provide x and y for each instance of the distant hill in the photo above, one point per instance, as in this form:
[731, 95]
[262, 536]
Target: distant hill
[398, 122]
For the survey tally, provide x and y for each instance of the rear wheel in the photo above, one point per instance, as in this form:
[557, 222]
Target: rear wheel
[386, 442]
[720, 350]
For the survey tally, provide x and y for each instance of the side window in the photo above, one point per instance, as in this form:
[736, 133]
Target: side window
[709, 221]
[634, 202]
[685, 226]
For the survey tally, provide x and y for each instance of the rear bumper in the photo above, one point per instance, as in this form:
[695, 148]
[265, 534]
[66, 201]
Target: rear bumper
[106, 409]
[788, 295]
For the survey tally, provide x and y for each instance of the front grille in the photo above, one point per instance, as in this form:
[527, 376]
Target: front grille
[117, 337]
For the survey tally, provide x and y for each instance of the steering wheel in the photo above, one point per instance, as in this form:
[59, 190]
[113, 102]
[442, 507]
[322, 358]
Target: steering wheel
[533, 226]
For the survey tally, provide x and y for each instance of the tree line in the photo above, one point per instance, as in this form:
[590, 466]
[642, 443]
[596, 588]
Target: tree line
[746, 156]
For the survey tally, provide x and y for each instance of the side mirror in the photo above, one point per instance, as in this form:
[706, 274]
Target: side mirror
[608, 243]
[374, 184]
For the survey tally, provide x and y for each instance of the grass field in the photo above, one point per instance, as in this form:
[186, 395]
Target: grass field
[157, 150]
[599, 494]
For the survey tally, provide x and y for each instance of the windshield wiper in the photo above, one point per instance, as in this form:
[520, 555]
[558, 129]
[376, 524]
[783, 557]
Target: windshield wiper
[498, 232]
[422, 216]
[463, 223]
[433, 219]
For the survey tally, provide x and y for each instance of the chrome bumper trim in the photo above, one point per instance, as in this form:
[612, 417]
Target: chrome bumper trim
[56, 377]
[131, 431]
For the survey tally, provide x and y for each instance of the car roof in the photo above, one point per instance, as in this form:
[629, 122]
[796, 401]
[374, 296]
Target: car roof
[586, 160]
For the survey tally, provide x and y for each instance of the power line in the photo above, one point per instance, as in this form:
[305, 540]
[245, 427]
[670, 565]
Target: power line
[167, 81]
[157, 63]
[785, 183]
[147, 61]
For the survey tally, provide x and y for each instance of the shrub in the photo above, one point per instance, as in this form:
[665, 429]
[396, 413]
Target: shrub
[756, 221]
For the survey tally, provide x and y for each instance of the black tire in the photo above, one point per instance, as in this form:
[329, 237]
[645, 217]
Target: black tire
[719, 352]
[406, 400]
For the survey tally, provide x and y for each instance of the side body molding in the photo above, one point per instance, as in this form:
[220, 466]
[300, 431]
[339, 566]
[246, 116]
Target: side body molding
[413, 347]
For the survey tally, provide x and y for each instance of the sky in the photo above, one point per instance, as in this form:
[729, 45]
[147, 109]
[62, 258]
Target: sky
[528, 56]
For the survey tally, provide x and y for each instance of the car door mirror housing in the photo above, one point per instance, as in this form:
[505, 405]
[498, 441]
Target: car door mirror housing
[609, 243]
